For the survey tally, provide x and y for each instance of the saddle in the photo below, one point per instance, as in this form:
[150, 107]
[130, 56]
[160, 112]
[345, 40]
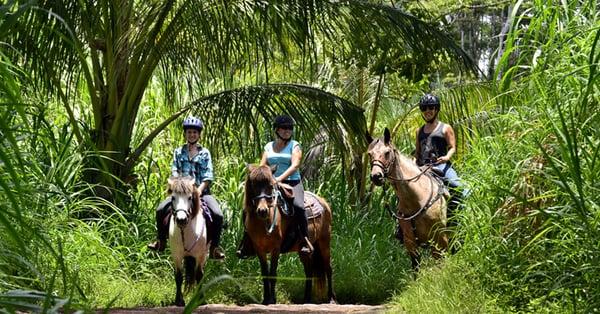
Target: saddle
[312, 209]
[438, 176]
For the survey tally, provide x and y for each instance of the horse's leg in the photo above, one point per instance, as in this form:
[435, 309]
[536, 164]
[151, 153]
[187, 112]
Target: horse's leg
[307, 262]
[273, 274]
[410, 243]
[264, 271]
[326, 253]
[199, 273]
[178, 281]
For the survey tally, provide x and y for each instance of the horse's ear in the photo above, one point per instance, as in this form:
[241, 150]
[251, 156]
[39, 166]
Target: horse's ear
[368, 137]
[386, 136]
[170, 182]
[250, 167]
[273, 168]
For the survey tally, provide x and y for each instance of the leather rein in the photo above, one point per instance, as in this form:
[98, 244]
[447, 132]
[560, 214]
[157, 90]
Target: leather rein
[386, 174]
[188, 214]
[274, 197]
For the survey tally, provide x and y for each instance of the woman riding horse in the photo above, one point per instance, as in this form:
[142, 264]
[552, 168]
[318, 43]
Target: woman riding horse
[194, 161]
[421, 212]
[269, 227]
[286, 155]
[435, 146]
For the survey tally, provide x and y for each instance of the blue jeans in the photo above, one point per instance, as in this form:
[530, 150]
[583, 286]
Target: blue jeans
[457, 192]
[449, 175]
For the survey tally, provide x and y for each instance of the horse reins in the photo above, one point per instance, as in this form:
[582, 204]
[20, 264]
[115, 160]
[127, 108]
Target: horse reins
[386, 169]
[181, 229]
[274, 196]
[429, 203]
[386, 174]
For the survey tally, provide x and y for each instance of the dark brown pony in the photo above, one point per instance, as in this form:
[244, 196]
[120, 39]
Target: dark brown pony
[267, 228]
[421, 212]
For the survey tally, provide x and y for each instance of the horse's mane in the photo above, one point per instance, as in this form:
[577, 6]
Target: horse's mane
[258, 177]
[185, 185]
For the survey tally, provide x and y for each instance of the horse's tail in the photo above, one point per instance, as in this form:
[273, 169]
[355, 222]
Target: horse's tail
[319, 274]
[189, 267]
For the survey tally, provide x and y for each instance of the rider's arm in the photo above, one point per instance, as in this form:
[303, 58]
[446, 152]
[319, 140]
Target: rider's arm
[451, 140]
[296, 159]
[174, 165]
[205, 173]
[263, 159]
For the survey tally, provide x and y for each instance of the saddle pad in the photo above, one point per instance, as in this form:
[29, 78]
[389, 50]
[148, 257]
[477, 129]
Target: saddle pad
[312, 206]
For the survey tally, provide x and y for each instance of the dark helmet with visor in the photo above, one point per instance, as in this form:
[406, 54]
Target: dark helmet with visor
[429, 100]
[193, 123]
[283, 121]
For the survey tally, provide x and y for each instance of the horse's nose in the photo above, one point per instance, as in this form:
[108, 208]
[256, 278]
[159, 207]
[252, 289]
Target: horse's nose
[377, 178]
[181, 218]
[262, 212]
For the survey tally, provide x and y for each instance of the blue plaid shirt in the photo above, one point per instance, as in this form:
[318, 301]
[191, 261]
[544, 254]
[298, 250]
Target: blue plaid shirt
[200, 167]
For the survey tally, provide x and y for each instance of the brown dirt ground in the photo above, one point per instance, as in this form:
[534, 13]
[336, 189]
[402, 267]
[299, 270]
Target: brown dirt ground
[259, 308]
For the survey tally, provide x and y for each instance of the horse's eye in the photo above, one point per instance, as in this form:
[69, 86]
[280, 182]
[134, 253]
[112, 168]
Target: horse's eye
[190, 198]
[172, 198]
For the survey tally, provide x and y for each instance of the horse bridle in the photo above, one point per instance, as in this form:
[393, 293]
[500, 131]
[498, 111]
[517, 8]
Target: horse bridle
[187, 214]
[386, 169]
[274, 196]
[186, 211]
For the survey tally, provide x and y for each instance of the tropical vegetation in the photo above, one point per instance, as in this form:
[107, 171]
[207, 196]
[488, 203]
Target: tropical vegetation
[92, 94]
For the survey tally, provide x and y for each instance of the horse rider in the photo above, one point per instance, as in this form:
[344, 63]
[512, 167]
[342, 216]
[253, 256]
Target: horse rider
[286, 154]
[195, 161]
[435, 146]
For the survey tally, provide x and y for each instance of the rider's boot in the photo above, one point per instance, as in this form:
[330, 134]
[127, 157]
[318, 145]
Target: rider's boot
[214, 230]
[158, 245]
[453, 204]
[245, 249]
[162, 226]
[305, 245]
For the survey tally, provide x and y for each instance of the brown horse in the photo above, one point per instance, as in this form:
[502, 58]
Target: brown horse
[267, 227]
[421, 212]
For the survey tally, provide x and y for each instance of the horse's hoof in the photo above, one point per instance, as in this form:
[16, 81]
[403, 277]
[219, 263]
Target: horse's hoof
[180, 303]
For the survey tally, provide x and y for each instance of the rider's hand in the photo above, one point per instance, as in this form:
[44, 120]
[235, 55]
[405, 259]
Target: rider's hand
[442, 159]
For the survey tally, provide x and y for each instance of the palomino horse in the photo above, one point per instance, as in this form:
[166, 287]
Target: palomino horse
[422, 203]
[187, 234]
[267, 227]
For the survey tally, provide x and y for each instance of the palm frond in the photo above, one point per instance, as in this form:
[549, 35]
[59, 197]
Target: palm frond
[245, 114]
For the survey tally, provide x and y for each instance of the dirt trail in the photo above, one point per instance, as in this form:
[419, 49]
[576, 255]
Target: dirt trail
[258, 308]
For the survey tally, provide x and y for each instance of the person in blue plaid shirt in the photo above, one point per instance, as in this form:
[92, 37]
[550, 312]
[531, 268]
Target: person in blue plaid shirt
[194, 161]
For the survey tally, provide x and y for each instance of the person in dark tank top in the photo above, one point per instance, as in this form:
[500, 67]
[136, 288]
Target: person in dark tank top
[435, 146]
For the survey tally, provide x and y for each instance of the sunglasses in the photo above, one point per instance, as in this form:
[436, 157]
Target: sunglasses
[286, 127]
[427, 107]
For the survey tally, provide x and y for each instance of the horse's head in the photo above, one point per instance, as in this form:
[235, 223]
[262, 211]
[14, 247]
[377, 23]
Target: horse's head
[260, 190]
[184, 199]
[382, 156]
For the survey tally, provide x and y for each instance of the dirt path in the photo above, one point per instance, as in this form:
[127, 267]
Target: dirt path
[258, 308]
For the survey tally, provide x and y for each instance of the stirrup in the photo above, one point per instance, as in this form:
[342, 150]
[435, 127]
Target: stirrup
[306, 247]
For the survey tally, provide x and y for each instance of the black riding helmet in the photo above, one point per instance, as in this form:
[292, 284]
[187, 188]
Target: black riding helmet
[283, 121]
[429, 100]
